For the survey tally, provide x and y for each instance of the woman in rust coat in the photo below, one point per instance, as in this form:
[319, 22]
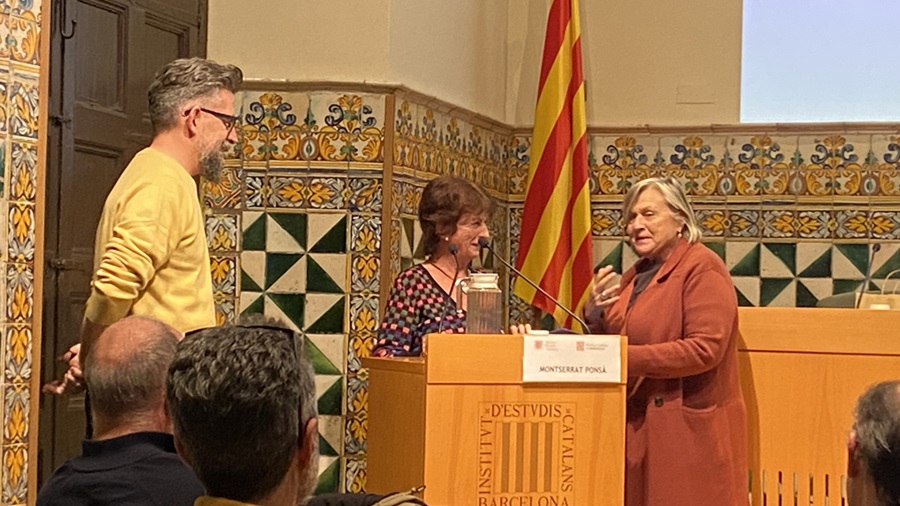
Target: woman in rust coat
[685, 442]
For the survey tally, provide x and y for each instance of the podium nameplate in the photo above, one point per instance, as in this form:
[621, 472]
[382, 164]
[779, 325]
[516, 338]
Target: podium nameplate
[562, 358]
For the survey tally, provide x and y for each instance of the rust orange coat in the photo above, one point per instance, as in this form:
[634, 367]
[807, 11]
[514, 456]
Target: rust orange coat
[685, 442]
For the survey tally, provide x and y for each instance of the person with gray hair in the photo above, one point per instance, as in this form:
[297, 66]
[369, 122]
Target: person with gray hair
[873, 456]
[685, 439]
[151, 255]
[243, 405]
[131, 459]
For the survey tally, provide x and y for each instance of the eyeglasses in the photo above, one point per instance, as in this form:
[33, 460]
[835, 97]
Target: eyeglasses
[226, 119]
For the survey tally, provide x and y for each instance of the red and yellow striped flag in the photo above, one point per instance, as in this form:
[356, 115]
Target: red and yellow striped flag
[555, 243]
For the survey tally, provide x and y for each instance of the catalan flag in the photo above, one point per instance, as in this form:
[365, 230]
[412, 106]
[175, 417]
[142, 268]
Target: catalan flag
[555, 243]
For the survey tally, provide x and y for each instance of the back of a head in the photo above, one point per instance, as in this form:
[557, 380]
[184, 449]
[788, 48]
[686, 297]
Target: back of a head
[877, 430]
[125, 369]
[233, 394]
[184, 80]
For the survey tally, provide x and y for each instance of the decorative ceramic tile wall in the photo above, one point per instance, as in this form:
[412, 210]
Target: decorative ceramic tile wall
[294, 230]
[295, 225]
[19, 130]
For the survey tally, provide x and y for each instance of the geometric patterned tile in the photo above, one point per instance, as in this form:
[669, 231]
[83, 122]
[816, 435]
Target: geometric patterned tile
[286, 233]
[325, 314]
[812, 290]
[717, 247]
[253, 271]
[886, 261]
[747, 289]
[814, 259]
[327, 273]
[778, 292]
[285, 273]
[254, 231]
[778, 260]
[331, 433]
[330, 398]
[329, 475]
[849, 261]
[328, 233]
[287, 307]
[742, 258]
[608, 252]
[331, 349]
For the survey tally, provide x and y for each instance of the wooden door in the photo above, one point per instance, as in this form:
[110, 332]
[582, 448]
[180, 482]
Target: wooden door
[104, 54]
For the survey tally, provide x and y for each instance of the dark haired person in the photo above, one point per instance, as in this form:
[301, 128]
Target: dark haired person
[453, 214]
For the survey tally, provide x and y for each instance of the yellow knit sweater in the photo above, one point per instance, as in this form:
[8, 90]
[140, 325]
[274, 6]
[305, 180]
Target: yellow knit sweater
[151, 256]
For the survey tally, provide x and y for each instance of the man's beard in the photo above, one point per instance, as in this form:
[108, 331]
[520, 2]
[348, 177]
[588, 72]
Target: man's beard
[211, 164]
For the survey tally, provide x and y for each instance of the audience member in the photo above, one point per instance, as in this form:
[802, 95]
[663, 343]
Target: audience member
[873, 463]
[131, 459]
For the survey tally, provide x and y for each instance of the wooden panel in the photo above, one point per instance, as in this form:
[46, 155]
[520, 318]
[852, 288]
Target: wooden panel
[800, 395]
[101, 55]
[823, 330]
[481, 358]
[535, 445]
[396, 435]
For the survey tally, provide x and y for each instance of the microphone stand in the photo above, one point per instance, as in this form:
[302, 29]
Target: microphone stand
[453, 250]
[487, 245]
[868, 278]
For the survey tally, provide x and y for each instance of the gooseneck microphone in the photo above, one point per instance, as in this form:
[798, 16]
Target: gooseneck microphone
[453, 250]
[868, 279]
[485, 244]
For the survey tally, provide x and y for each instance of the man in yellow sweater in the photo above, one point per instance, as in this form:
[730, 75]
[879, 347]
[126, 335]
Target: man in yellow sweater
[150, 254]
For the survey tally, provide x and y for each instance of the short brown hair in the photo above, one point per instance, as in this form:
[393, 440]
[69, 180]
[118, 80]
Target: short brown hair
[186, 79]
[444, 201]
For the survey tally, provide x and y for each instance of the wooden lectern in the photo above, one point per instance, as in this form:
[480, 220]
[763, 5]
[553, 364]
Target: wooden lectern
[461, 422]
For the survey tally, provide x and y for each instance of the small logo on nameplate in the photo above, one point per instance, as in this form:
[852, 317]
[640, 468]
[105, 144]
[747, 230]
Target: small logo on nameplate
[526, 454]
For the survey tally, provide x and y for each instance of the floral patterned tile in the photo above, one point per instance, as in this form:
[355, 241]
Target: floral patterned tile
[21, 232]
[22, 171]
[14, 478]
[24, 37]
[226, 311]
[17, 354]
[19, 293]
[16, 409]
[226, 193]
[355, 475]
[222, 232]
[23, 92]
[223, 276]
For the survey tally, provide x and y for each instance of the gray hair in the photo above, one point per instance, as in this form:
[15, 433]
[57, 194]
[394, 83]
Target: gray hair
[134, 383]
[186, 79]
[675, 198]
[877, 429]
[237, 395]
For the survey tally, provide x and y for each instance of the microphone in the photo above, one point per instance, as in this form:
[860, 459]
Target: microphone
[453, 250]
[868, 278]
[485, 244]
